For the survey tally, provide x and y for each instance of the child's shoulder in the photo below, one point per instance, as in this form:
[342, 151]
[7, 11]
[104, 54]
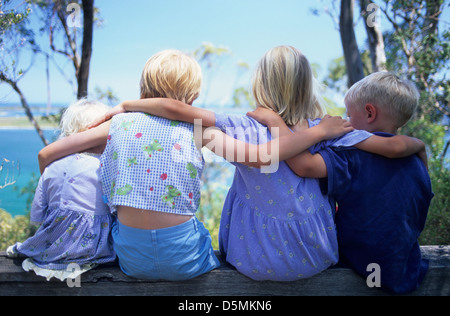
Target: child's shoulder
[227, 120]
[73, 160]
[128, 120]
[59, 166]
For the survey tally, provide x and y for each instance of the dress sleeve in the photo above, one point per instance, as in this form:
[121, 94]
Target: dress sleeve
[40, 202]
[351, 139]
[243, 128]
[226, 121]
[223, 121]
[348, 140]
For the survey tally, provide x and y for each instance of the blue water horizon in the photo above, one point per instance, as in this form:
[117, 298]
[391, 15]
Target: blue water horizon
[22, 147]
[14, 110]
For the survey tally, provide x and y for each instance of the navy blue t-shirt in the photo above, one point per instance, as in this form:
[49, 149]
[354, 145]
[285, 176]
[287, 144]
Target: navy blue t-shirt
[382, 209]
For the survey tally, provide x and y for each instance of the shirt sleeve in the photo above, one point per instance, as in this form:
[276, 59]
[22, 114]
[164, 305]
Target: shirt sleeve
[40, 202]
[339, 173]
[347, 140]
[224, 121]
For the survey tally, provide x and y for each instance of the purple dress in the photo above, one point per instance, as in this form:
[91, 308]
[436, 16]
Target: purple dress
[75, 223]
[277, 226]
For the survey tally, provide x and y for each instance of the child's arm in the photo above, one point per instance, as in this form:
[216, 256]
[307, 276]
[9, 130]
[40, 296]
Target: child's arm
[313, 166]
[73, 144]
[398, 146]
[270, 119]
[163, 107]
[228, 147]
[278, 149]
[304, 164]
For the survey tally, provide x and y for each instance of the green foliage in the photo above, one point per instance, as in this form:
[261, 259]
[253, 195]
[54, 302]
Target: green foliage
[28, 190]
[337, 75]
[10, 17]
[430, 133]
[18, 229]
[209, 53]
[336, 78]
[418, 50]
[13, 230]
[333, 109]
[437, 229]
[107, 96]
[215, 177]
[242, 97]
[14, 37]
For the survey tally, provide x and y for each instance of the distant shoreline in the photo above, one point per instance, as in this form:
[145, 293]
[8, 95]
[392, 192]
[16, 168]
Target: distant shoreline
[23, 123]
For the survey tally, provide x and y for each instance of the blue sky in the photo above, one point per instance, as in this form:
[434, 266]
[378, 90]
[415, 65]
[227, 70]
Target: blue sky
[136, 29]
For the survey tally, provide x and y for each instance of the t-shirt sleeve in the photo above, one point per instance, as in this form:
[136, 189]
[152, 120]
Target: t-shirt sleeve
[347, 140]
[351, 139]
[243, 128]
[339, 173]
[224, 121]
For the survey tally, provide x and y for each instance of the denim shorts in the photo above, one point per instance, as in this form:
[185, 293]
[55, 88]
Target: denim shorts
[176, 253]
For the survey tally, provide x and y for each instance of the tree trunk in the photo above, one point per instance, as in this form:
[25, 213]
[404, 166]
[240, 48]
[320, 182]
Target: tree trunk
[355, 71]
[88, 31]
[432, 19]
[375, 38]
[433, 11]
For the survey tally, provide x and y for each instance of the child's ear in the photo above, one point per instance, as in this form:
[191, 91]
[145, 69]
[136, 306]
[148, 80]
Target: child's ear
[371, 112]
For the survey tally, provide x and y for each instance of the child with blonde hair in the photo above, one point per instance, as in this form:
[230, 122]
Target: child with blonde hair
[157, 235]
[275, 225]
[74, 223]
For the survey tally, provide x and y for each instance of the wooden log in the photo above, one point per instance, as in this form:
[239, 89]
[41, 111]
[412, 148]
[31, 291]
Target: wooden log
[225, 281]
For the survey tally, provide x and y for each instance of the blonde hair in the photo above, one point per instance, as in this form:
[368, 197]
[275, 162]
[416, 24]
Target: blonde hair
[284, 82]
[171, 74]
[79, 115]
[399, 98]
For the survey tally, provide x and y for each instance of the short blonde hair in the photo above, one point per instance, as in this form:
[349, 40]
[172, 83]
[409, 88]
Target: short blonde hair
[399, 98]
[171, 74]
[284, 82]
[79, 115]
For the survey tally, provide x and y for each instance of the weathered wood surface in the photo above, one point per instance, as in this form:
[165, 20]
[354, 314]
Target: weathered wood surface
[225, 281]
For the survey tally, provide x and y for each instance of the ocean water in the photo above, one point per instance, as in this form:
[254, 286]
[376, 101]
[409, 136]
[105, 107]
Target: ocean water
[22, 147]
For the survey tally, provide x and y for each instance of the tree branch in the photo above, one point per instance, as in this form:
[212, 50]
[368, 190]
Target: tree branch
[25, 105]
